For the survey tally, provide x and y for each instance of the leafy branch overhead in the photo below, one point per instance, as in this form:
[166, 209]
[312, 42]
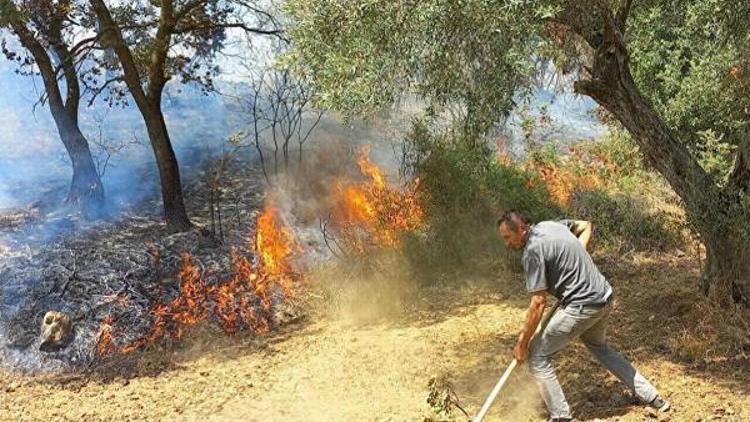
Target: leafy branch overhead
[177, 38]
[364, 55]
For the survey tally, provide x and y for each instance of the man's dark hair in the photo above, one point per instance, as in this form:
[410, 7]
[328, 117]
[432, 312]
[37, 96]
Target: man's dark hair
[513, 219]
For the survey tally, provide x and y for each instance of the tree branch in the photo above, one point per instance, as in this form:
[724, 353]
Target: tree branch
[157, 76]
[43, 61]
[74, 50]
[73, 97]
[612, 86]
[240, 25]
[188, 8]
[130, 70]
[259, 12]
[99, 90]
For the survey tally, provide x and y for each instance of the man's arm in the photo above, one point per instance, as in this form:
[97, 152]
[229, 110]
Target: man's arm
[583, 230]
[533, 316]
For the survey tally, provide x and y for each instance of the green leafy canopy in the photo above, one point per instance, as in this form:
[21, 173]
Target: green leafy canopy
[361, 55]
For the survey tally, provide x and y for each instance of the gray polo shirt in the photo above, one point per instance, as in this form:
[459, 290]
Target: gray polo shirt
[555, 260]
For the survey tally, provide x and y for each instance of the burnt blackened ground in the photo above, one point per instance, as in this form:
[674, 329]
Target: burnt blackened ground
[50, 259]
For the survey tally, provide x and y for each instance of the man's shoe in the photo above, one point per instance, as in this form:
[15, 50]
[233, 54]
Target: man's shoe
[660, 404]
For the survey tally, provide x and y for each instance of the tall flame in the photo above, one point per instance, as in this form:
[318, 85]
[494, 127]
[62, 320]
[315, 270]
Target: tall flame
[365, 213]
[369, 169]
[274, 242]
[559, 185]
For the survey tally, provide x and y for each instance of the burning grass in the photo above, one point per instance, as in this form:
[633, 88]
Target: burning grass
[243, 300]
[582, 170]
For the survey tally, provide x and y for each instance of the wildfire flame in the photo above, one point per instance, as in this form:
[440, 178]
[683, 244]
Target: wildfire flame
[369, 169]
[581, 171]
[274, 243]
[372, 210]
[243, 301]
[559, 185]
[735, 71]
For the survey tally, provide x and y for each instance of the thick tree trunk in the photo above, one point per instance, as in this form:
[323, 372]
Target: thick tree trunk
[711, 210]
[175, 213]
[740, 177]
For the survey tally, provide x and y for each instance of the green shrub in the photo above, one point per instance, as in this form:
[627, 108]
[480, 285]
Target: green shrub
[636, 208]
[463, 188]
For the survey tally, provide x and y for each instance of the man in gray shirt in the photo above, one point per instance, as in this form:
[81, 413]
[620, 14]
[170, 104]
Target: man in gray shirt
[555, 262]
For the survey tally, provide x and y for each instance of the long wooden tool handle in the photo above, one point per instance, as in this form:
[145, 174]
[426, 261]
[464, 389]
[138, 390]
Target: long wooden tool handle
[495, 391]
[499, 386]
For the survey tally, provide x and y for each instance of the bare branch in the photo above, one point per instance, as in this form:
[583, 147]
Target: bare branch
[157, 76]
[74, 50]
[99, 90]
[239, 25]
[131, 74]
[304, 138]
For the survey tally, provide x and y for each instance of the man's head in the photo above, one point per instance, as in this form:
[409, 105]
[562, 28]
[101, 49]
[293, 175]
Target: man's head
[514, 228]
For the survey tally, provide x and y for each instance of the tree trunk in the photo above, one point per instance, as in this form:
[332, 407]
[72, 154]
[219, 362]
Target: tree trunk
[149, 104]
[728, 269]
[740, 177]
[175, 213]
[712, 211]
[86, 190]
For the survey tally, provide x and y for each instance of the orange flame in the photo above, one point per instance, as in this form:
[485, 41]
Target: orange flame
[372, 211]
[243, 301]
[369, 169]
[582, 170]
[273, 242]
[559, 185]
[735, 71]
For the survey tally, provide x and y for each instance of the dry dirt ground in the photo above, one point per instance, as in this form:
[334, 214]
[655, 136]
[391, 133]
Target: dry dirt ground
[343, 367]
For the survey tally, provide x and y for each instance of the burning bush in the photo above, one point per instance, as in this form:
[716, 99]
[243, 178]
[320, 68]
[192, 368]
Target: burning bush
[463, 188]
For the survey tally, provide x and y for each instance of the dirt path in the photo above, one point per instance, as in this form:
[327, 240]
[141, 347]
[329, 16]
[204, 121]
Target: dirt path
[339, 369]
